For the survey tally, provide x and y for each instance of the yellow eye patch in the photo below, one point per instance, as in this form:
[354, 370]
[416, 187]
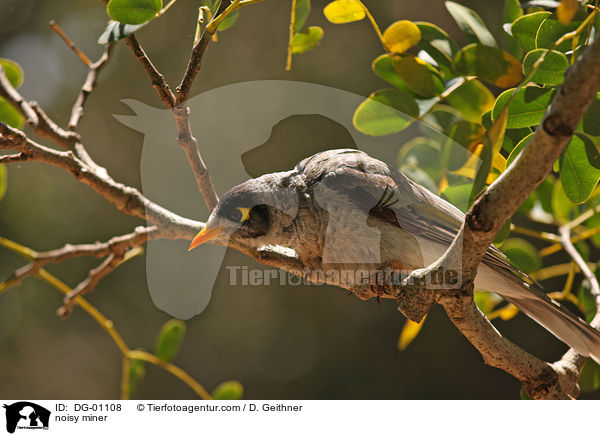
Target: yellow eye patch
[245, 213]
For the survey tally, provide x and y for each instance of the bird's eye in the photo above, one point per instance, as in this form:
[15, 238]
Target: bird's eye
[239, 214]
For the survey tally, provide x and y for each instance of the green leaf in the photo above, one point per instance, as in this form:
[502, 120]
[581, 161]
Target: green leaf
[471, 23]
[302, 13]
[551, 30]
[437, 44]
[137, 372]
[563, 209]
[229, 390]
[472, 99]
[384, 68]
[307, 40]
[512, 11]
[419, 176]
[409, 332]
[229, 21]
[440, 119]
[385, 112]
[523, 394]
[13, 71]
[591, 120]
[551, 71]
[420, 151]
[544, 193]
[486, 120]
[425, 105]
[133, 11]
[419, 76]
[344, 11]
[486, 301]
[580, 168]
[424, 153]
[458, 195]
[3, 181]
[466, 134]
[589, 377]
[401, 36]
[524, 29]
[586, 298]
[169, 339]
[517, 150]
[522, 254]
[491, 150]
[516, 135]
[489, 63]
[115, 31]
[527, 108]
[502, 233]
[9, 115]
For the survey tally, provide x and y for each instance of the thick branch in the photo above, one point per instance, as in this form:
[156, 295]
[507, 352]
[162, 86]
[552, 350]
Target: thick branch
[494, 207]
[127, 199]
[539, 377]
[503, 197]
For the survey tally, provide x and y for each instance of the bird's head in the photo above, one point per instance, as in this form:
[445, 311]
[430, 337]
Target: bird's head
[254, 213]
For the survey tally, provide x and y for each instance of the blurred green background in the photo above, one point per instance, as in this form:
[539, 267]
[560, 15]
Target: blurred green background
[281, 342]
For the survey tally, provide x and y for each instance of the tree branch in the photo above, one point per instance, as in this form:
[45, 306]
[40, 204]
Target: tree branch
[35, 117]
[89, 85]
[117, 245]
[157, 79]
[181, 113]
[494, 207]
[127, 199]
[571, 359]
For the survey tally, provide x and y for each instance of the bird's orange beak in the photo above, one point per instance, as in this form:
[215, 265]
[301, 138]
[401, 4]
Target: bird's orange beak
[205, 235]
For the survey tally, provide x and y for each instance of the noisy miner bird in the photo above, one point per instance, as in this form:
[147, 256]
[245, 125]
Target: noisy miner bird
[346, 214]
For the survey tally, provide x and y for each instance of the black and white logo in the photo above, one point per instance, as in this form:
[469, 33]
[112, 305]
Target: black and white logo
[26, 415]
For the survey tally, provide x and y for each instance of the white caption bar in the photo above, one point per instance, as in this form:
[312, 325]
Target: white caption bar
[250, 417]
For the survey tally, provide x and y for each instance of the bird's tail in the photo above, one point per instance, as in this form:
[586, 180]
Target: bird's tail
[563, 324]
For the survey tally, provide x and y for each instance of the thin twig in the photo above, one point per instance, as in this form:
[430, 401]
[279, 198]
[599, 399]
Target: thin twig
[70, 44]
[565, 236]
[288, 64]
[118, 245]
[88, 285]
[181, 113]
[125, 378]
[89, 85]
[195, 62]
[109, 327]
[157, 79]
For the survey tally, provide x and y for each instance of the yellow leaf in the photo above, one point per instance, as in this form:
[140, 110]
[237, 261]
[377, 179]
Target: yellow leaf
[401, 36]
[508, 312]
[344, 11]
[469, 169]
[443, 183]
[409, 332]
[566, 10]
